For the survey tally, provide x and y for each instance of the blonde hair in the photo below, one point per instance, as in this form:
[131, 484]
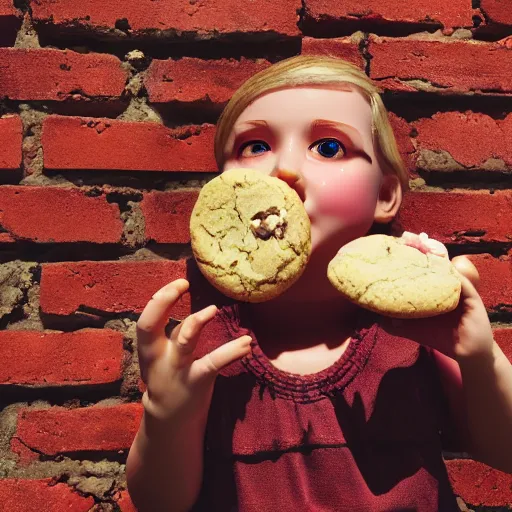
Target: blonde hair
[316, 70]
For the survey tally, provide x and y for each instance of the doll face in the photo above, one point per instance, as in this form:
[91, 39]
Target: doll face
[318, 139]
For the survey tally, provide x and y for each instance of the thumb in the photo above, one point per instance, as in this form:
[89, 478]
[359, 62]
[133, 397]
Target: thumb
[469, 274]
[465, 267]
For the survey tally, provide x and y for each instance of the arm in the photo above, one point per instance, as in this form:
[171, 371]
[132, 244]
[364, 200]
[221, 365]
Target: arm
[484, 401]
[165, 464]
[486, 375]
[476, 375]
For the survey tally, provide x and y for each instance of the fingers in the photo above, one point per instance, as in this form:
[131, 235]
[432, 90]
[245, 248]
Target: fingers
[212, 363]
[186, 334]
[464, 266]
[153, 319]
[470, 275]
[426, 245]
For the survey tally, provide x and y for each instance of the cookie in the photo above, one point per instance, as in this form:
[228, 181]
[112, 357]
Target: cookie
[383, 274]
[250, 235]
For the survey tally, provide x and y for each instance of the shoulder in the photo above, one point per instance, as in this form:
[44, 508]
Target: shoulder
[440, 379]
[393, 351]
[398, 368]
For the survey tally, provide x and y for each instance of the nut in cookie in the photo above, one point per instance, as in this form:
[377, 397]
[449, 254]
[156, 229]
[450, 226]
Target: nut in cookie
[269, 223]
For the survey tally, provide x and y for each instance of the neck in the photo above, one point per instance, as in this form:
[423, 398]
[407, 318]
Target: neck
[310, 313]
[280, 315]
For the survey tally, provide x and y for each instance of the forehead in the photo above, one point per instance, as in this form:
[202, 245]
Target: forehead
[295, 106]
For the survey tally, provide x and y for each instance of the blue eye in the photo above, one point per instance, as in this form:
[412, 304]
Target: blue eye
[253, 147]
[329, 148]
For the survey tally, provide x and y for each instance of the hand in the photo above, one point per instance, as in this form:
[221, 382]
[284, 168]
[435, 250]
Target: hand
[179, 386]
[466, 331]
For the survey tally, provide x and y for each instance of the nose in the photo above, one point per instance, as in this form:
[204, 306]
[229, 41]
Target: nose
[287, 168]
[289, 176]
[293, 179]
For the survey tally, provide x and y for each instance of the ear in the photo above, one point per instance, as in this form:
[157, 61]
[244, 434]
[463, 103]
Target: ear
[389, 200]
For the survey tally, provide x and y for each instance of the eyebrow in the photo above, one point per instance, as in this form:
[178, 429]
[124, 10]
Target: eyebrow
[324, 123]
[257, 122]
[249, 124]
[317, 123]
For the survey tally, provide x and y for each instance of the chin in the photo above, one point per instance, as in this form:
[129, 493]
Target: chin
[324, 246]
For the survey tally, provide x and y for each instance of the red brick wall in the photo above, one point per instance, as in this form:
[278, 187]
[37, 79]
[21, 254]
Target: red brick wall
[104, 149]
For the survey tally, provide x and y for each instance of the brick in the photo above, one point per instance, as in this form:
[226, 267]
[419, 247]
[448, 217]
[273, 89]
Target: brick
[479, 139]
[113, 287]
[94, 429]
[25, 455]
[106, 144]
[7, 8]
[190, 80]
[459, 217]
[11, 134]
[402, 131]
[28, 496]
[457, 13]
[341, 48]
[201, 19]
[10, 22]
[497, 11]
[88, 356]
[59, 75]
[503, 338]
[57, 214]
[403, 64]
[506, 42]
[478, 484]
[495, 281]
[167, 216]
[125, 503]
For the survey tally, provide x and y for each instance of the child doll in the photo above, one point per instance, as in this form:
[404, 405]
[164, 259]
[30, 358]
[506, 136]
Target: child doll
[307, 402]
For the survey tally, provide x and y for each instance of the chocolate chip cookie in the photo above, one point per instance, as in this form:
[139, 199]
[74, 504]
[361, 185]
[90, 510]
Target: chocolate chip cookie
[250, 235]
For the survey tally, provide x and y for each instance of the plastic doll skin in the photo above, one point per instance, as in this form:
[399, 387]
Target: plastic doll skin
[344, 193]
[343, 197]
[319, 141]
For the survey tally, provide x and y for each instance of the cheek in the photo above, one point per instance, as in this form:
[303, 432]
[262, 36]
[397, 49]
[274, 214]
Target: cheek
[348, 193]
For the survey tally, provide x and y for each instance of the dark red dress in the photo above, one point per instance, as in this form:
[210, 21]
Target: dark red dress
[362, 435]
